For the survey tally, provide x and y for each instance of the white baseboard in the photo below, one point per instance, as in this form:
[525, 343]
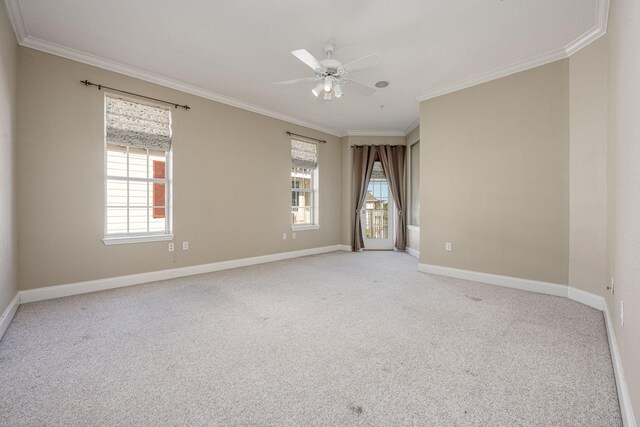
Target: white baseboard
[8, 314]
[628, 419]
[578, 295]
[58, 291]
[413, 252]
[498, 280]
[595, 301]
[586, 298]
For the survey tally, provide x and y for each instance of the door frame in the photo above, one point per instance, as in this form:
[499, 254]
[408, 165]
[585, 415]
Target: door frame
[387, 244]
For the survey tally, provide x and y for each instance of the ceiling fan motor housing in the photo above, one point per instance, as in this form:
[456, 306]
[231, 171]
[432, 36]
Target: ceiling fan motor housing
[332, 68]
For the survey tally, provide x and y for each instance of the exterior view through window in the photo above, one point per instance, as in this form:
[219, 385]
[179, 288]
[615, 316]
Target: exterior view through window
[377, 205]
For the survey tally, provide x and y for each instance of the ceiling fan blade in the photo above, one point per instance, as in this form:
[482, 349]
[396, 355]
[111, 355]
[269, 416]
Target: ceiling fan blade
[360, 87]
[304, 56]
[294, 81]
[362, 63]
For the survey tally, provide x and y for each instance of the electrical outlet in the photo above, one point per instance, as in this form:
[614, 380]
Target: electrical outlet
[621, 313]
[172, 247]
[447, 246]
[293, 235]
[284, 236]
[610, 288]
[185, 246]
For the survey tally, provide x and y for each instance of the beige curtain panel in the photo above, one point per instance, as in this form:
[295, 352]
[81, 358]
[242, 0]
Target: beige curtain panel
[392, 158]
[363, 159]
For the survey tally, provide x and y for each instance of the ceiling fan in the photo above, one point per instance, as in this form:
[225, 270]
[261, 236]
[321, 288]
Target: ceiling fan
[332, 75]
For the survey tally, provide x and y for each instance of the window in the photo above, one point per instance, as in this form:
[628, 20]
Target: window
[138, 171]
[376, 210]
[304, 181]
[414, 184]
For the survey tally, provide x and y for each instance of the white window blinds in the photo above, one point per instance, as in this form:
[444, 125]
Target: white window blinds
[303, 154]
[133, 124]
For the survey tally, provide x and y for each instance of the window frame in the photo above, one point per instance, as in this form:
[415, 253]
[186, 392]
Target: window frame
[315, 180]
[139, 237]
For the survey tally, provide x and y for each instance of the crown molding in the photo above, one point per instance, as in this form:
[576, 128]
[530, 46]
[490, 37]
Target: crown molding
[96, 61]
[406, 132]
[14, 13]
[602, 15]
[412, 126]
[373, 133]
[494, 75]
[582, 41]
[597, 31]
[15, 17]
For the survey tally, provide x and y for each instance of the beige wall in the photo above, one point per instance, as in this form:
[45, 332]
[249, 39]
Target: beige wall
[8, 150]
[346, 168]
[588, 214]
[624, 135]
[495, 176]
[231, 180]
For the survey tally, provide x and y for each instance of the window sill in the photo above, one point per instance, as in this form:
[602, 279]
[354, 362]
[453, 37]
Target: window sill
[123, 240]
[304, 227]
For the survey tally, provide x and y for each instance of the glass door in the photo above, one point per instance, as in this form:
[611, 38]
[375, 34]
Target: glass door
[378, 214]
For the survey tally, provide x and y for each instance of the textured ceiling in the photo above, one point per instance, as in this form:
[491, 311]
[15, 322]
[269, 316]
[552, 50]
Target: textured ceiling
[235, 50]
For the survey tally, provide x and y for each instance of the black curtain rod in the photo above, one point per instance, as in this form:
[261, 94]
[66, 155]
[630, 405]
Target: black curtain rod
[376, 145]
[308, 137]
[100, 87]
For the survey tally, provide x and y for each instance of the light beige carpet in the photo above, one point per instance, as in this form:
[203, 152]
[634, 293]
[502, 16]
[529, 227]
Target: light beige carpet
[334, 339]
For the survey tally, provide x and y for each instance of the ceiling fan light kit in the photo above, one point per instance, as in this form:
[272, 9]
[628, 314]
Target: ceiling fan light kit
[332, 75]
[337, 90]
[317, 90]
[328, 84]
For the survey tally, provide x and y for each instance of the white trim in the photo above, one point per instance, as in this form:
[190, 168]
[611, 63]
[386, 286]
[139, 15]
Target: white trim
[602, 16]
[586, 298]
[628, 419]
[15, 16]
[495, 279]
[494, 75]
[8, 314]
[58, 291]
[595, 301]
[96, 61]
[412, 127]
[583, 297]
[305, 227]
[598, 30]
[413, 252]
[373, 133]
[124, 240]
[14, 12]
[413, 227]
[583, 41]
